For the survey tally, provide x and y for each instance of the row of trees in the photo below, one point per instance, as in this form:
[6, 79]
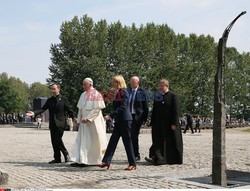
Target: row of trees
[100, 50]
[17, 96]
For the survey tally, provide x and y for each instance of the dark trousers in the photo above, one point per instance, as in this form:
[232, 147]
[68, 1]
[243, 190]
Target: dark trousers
[187, 127]
[57, 143]
[121, 129]
[135, 131]
[197, 126]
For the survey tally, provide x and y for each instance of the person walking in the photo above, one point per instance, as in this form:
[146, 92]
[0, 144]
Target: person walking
[189, 123]
[39, 122]
[197, 124]
[58, 107]
[167, 147]
[91, 139]
[138, 105]
[122, 127]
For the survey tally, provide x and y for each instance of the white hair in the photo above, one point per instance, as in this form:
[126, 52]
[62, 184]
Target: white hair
[89, 80]
[136, 78]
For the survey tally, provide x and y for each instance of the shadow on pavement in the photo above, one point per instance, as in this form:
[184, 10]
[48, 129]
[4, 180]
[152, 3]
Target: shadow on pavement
[65, 167]
[235, 178]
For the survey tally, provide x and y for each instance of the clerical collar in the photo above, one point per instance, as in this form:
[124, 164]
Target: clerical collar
[164, 93]
[56, 95]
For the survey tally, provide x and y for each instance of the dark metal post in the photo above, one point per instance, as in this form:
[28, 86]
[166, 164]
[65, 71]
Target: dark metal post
[219, 176]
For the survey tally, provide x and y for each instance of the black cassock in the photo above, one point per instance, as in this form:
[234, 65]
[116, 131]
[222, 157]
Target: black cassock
[167, 147]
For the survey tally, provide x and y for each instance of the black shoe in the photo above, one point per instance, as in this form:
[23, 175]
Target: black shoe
[67, 158]
[161, 162]
[78, 165]
[137, 158]
[150, 160]
[54, 161]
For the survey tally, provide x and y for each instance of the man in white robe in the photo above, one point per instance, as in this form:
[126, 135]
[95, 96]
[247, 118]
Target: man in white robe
[91, 140]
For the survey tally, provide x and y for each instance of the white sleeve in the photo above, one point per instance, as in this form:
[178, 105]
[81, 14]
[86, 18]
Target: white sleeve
[93, 114]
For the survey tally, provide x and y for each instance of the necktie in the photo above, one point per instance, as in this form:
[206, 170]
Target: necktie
[132, 99]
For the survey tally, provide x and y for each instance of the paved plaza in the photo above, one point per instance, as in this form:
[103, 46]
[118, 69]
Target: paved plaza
[25, 152]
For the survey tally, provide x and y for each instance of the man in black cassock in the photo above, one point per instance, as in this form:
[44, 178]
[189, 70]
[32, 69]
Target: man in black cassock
[167, 147]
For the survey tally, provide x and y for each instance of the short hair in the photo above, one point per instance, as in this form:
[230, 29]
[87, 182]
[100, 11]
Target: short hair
[120, 80]
[57, 85]
[135, 77]
[166, 82]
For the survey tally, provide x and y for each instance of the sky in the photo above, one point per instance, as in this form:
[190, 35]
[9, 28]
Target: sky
[29, 27]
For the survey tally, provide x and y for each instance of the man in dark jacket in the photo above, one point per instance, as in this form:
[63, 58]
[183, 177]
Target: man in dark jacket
[138, 104]
[58, 106]
[189, 123]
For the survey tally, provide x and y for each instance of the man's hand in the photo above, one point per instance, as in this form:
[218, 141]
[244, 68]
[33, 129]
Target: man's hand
[107, 117]
[85, 120]
[173, 127]
[30, 113]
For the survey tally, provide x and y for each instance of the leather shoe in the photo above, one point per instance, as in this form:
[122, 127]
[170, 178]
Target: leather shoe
[150, 160]
[54, 161]
[138, 158]
[77, 165]
[67, 158]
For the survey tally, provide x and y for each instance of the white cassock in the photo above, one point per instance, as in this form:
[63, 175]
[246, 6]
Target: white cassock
[91, 140]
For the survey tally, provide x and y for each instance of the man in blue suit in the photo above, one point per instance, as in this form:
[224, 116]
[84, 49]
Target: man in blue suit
[138, 104]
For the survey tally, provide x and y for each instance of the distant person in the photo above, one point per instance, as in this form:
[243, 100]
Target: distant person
[167, 147]
[39, 122]
[109, 125]
[70, 123]
[138, 105]
[1, 119]
[189, 123]
[58, 107]
[197, 124]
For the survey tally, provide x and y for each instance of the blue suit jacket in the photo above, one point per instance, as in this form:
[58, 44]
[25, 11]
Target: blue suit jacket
[121, 107]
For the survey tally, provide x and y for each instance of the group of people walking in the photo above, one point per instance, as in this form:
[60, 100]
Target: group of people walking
[130, 111]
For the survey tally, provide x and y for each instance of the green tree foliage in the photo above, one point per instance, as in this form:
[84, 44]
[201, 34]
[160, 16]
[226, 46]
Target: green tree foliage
[38, 90]
[16, 96]
[100, 50]
[10, 100]
[13, 90]
[238, 84]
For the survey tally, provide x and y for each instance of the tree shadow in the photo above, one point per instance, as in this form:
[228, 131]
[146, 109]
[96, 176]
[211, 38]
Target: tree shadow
[65, 167]
[234, 178]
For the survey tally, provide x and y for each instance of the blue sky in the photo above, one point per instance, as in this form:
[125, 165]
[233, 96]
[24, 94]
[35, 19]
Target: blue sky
[28, 27]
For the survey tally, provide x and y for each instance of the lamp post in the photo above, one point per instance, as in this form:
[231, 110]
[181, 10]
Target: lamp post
[219, 176]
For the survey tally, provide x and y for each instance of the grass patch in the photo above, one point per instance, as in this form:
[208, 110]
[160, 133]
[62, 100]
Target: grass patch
[246, 130]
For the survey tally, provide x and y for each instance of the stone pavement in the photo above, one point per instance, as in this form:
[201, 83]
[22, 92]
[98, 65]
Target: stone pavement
[24, 153]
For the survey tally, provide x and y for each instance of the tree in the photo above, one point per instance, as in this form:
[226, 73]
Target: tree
[38, 90]
[18, 87]
[10, 101]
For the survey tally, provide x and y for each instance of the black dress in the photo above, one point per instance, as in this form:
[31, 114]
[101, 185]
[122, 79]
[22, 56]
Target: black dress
[167, 145]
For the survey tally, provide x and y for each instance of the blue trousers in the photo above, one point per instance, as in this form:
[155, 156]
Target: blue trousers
[121, 129]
